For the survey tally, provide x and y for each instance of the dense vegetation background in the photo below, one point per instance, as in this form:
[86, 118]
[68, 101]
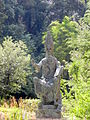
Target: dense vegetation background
[27, 22]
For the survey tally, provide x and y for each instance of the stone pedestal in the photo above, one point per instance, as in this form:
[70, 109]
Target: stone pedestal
[48, 111]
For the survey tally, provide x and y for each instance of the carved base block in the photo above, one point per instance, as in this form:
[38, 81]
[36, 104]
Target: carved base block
[48, 111]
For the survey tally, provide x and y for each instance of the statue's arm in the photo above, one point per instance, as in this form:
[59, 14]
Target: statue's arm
[59, 70]
[35, 65]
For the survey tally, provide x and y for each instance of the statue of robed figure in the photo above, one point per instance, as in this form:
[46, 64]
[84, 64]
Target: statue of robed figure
[48, 86]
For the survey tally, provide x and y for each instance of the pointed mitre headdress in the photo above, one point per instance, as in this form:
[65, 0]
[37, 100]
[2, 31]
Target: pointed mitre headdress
[49, 40]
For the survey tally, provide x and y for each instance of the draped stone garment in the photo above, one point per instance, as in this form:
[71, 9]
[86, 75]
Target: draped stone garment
[47, 86]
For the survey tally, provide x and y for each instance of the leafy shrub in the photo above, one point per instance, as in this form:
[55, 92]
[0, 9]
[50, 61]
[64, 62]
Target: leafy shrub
[14, 65]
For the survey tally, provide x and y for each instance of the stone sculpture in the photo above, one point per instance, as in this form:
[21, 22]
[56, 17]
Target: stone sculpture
[48, 86]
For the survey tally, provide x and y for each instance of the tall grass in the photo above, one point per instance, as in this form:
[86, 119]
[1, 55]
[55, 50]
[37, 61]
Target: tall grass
[21, 110]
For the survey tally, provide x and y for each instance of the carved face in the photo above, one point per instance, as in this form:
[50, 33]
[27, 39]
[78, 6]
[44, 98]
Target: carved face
[49, 49]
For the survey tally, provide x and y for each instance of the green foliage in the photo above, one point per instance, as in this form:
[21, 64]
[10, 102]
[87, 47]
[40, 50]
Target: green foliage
[78, 99]
[26, 19]
[3, 16]
[62, 33]
[79, 96]
[14, 65]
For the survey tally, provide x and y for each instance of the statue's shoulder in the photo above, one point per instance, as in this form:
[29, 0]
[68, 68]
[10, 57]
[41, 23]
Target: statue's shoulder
[56, 61]
[53, 57]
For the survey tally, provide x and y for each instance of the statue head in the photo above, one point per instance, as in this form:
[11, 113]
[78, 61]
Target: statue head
[49, 46]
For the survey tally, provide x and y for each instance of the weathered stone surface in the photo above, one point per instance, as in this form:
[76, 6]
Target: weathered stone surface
[48, 111]
[48, 107]
[48, 86]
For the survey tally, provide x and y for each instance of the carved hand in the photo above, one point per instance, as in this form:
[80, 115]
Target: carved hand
[35, 65]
